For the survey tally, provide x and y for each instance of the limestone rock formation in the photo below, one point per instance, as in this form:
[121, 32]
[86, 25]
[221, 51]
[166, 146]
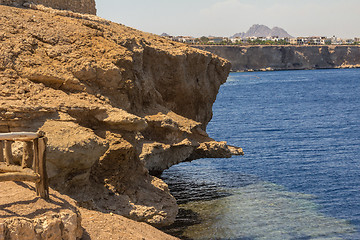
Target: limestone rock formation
[80, 6]
[73, 167]
[114, 102]
[260, 58]
[25, 216]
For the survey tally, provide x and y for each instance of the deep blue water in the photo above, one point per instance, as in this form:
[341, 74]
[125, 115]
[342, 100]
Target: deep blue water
[300, 176]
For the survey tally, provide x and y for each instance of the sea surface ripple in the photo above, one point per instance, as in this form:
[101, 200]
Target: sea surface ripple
[300, 176]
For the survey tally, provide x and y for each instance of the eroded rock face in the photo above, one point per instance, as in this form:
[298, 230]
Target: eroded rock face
[115, 103]
[72, 150]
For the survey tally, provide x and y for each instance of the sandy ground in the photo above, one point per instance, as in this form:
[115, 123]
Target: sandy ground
[18, 199]
[99, 225]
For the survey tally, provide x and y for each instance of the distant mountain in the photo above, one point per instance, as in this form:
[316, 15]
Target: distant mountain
[164, 35]
[258, 30]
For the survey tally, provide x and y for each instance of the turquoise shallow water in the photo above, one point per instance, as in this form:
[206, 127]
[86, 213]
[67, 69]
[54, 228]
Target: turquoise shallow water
[264, 211]
[300, 176]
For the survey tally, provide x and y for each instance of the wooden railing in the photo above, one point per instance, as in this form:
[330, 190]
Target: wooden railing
[33, 164]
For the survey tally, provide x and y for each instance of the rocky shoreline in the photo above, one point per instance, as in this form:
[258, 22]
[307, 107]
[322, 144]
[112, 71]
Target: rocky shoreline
[275, 58]
[117, 105]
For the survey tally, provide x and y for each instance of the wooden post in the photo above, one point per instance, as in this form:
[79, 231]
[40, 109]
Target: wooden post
[35, 155]
[36, 162]
[42, 187]
[8, 152]
[27, 154]
[1, 151]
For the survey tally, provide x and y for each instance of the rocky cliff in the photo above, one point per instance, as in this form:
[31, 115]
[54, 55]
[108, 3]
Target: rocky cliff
[115, 103]
[80, 6]
[245, 58]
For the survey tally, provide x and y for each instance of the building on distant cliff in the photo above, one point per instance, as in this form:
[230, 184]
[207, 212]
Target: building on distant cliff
[183, 39]
[217, 40]
[314, 40]
[238, 40]
[349, 41]
[336, 41]
[80, 6]
[317, 40]
[293, 41]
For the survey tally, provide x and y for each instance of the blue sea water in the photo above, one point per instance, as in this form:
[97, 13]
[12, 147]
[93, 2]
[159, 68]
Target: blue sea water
[300, 175]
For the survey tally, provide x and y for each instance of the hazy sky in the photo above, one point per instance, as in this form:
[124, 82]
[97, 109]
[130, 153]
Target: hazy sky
[227, 17]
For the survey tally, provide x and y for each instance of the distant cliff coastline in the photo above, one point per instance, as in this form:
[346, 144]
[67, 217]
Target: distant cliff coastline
[260, 58]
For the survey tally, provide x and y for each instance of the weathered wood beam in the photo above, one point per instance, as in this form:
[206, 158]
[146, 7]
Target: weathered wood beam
[1, 151]
[14, 168]
[42, 187]
[35, 162]
[16, 176]
[19, 136]
[8, 152]
[27, 154]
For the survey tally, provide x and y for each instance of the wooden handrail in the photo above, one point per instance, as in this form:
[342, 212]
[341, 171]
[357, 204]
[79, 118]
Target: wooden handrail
[34, 148]
[13, 168]
[19, 136]
[19, 176]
